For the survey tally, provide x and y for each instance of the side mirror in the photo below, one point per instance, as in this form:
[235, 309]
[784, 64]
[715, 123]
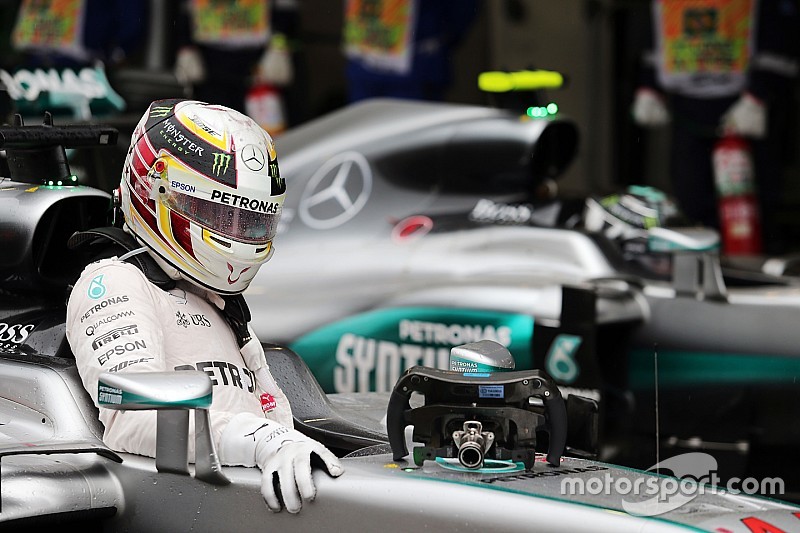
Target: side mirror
[172, 394]
[697, 240]
[583, 426]
[696, 266]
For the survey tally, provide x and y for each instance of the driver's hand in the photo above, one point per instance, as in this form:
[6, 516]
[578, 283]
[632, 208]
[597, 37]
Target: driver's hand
[283, 454]
[289, 468]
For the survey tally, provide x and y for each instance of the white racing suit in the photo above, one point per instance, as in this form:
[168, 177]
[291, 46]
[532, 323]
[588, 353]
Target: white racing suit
[117, 321]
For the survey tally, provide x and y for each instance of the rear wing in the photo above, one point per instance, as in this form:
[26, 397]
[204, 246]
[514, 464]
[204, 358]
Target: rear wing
[37, 154]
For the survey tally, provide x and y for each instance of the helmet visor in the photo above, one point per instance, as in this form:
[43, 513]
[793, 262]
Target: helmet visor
[242, 225]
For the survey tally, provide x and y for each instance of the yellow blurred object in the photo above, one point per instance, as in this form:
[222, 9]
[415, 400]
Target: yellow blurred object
[522, 80]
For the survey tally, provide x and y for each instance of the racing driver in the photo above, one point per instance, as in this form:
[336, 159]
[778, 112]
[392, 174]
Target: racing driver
[201, 197]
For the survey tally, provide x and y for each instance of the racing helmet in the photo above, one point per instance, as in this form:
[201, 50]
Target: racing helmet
[201, 189]
[632, 219]
[631, 213]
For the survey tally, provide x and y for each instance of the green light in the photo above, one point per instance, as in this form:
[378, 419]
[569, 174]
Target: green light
[66, 182]
[542, 111]
[537, 112]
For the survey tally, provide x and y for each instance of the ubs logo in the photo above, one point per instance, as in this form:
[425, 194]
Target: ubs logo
[187, 320]
[200, 320]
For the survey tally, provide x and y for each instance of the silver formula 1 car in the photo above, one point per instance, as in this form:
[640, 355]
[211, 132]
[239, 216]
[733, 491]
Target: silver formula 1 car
[410, 228]
[488, 451]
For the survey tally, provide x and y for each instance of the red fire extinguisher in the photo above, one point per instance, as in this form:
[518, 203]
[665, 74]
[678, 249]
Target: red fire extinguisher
[740, 220]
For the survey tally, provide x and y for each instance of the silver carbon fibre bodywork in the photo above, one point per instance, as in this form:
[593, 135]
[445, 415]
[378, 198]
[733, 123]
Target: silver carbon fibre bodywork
[467, 273]
[44, 408]
[376, 492]
[32, 250]
[89, 486]
[23, 205]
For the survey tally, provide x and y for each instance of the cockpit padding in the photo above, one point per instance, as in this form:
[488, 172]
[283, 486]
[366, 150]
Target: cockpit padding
[313, 413]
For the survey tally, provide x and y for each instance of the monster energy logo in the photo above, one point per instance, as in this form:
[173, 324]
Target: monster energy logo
[278, 184]
[221, 162]
[160, 111]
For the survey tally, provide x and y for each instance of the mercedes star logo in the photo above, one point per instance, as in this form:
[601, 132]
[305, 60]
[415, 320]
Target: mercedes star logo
[253, 157]
[337, 191]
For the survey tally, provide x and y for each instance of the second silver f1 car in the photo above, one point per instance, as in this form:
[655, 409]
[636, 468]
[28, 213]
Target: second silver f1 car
[410, 228]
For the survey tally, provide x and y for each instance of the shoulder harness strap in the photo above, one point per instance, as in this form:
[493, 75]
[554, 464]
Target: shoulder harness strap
[111, 241]
[238, 315]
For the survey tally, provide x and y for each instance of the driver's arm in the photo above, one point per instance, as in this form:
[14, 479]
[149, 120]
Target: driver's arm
[112, 326]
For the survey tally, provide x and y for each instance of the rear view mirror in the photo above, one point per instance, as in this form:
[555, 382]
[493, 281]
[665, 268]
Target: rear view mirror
[582, 426]
[172, 394]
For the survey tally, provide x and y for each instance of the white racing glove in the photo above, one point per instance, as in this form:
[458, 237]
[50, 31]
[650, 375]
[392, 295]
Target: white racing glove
[649, 109]
[253, 441]
[189, 68]
[746, 117]
[275, 66]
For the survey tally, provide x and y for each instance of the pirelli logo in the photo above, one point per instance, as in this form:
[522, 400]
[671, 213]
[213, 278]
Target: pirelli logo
[221, 162]
[114, 334]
